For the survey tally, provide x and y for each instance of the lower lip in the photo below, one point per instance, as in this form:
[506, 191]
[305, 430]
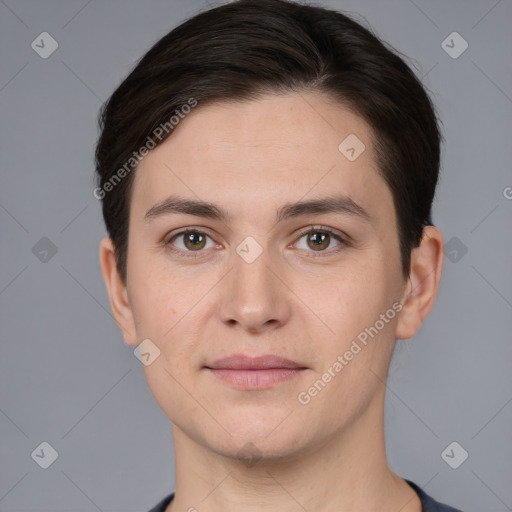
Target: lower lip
[256, 379]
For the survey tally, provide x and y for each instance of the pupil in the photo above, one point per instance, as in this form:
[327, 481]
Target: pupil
[318, 240]
[191, 237]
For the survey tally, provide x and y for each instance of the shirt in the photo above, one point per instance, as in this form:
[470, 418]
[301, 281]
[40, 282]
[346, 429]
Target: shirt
[428, 504]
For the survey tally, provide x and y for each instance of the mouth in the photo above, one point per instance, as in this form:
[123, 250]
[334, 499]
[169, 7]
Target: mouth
[262, 372]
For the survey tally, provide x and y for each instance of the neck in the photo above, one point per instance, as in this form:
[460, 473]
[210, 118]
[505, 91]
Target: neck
[345, 472]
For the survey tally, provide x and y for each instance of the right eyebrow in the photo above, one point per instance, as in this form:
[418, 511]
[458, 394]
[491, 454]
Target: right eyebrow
[175, 204]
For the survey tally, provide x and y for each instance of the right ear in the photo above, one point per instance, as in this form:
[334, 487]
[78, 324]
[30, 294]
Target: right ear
[117, 292]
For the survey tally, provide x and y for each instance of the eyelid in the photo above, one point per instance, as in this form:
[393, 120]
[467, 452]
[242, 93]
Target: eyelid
[320, 227]
[166, 242]
[343, 239]
[189, 229]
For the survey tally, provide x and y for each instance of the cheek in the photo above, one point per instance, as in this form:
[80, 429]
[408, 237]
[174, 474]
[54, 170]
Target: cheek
[353, 298]
[156, 298]
[344, 398]
[351, 305]
[152, 307]
[165, 309]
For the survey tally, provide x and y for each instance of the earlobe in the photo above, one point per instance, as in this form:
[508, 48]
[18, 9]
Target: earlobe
[423, 283]
[117, 292]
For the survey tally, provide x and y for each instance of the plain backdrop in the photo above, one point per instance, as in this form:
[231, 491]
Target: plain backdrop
[66, 376]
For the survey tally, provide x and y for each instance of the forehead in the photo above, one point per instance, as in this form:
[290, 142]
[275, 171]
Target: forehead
[250, 155]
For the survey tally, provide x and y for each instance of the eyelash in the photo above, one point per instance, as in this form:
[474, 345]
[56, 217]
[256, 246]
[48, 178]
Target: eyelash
[313, 229]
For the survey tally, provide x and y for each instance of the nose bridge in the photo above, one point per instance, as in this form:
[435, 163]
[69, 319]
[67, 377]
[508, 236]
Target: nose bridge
[252, 296]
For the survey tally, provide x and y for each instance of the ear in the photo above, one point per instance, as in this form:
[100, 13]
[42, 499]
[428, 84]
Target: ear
[117, 292]
[423, 283]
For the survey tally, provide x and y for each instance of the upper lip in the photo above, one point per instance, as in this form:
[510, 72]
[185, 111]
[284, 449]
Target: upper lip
[243, 362]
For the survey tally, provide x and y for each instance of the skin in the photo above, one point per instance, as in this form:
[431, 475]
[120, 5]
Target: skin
[250, 158]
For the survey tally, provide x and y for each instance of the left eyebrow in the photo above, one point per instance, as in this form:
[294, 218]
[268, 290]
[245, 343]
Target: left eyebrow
[335, 204]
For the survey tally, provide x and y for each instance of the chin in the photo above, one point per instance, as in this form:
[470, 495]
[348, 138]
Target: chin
[265, 440]
[250, 451]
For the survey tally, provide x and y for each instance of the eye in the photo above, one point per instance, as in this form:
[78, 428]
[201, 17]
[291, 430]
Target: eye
[319, 238]
[193, 242]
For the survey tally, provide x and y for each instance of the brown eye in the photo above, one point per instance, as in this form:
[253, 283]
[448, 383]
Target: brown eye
[318, 240]
[189, 243]
[194, 240]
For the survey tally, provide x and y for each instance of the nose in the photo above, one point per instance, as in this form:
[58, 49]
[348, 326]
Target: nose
[254, 296]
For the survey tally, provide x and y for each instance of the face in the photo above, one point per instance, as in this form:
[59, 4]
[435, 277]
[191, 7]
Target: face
[265, 279]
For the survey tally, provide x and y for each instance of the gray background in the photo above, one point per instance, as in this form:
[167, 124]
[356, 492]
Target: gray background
[67, 378]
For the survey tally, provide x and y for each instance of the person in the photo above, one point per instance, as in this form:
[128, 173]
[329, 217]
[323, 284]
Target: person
[267, 172]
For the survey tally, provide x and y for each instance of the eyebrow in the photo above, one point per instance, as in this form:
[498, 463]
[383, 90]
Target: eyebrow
[340, 204]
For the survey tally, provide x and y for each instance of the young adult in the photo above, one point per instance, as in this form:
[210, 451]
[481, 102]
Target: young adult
[267, 173]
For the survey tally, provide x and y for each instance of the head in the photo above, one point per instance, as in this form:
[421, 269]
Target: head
[278, 104]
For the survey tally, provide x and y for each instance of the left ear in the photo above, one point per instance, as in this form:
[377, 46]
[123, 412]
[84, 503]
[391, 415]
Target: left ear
[423, 283]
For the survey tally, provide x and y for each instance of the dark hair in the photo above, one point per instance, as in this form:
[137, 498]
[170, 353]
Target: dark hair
[247, 48]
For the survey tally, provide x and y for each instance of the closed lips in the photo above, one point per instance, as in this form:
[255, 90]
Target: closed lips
[242, 362]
